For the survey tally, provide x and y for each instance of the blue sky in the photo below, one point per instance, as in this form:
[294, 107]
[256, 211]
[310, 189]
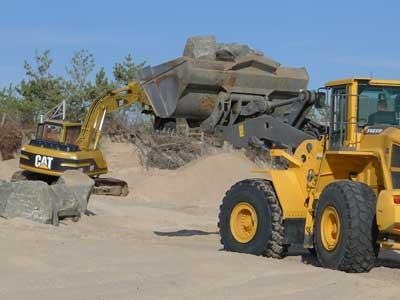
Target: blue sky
[332, 39]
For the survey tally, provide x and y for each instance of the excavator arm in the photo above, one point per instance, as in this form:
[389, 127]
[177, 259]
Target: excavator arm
[114, 100]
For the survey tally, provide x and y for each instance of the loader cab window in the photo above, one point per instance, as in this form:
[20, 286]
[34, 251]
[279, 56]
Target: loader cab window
[338, 125]
[378, 105]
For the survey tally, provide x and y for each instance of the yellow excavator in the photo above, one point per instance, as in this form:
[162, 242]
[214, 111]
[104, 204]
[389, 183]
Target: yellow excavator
[337, 195]
[63, 145]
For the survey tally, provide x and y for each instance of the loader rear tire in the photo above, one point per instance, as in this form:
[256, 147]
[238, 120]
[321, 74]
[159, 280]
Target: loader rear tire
[256, 200]
[345, 230]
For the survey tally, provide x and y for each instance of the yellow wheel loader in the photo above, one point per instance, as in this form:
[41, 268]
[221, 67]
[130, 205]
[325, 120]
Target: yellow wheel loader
[337, 191]
[337, 194]
[64, 145]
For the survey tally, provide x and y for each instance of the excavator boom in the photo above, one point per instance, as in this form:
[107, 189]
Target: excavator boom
[112, 101]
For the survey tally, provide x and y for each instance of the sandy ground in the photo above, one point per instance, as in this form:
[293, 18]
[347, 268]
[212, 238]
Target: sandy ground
[161, 242]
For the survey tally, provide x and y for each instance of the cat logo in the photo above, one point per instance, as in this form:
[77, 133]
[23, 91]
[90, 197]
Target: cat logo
[43, 162]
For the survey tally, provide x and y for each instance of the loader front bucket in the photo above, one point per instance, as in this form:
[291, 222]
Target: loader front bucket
[188, 87]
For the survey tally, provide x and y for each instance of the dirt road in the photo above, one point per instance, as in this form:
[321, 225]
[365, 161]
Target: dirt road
[161, 242]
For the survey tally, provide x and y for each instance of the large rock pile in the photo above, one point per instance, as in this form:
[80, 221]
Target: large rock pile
[206, 47]
[40, 202]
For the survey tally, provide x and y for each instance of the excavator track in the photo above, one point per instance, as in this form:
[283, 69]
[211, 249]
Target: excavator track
[110, 186]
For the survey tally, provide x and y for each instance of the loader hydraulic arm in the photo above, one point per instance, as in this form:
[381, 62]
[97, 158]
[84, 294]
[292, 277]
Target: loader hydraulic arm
[114, 100]
[265, 129]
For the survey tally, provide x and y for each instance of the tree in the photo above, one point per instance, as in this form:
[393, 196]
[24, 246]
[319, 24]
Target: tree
[124, 73]
[7, 95]
[81, 66]
[41, 90]
[78, 88]
[102, 84]
[127, 71]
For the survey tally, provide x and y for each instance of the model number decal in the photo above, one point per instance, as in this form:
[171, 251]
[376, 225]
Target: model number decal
[374, 130]
[43, 162]
[241, 130]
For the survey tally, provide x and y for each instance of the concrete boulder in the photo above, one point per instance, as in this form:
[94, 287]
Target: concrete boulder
[79, 184]
[203, 47]
[32, 200]
[66, 204]
[43, 203]
[238, 50]
[206, 47]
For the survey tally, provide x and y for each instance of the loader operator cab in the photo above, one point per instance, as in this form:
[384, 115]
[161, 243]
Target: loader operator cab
[57, 132]
[358, 104]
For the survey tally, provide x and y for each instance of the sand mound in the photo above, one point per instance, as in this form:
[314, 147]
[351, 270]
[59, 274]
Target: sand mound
[201, 182]
[210, 175]
[7, 168]
[121, 157]
[162, 242]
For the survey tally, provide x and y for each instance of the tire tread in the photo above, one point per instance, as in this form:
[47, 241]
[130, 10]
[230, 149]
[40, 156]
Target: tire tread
[274, 247]
[360, 249]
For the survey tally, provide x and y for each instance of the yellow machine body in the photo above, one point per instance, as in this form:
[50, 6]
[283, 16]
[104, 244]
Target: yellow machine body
[54, 162]
[64, 145]
[367, 154]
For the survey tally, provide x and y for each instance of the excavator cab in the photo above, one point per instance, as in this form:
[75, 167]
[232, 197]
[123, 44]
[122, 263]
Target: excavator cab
[55, 131]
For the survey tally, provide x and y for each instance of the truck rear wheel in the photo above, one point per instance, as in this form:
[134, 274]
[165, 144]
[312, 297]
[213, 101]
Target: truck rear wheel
[345, 228]
[250, 219]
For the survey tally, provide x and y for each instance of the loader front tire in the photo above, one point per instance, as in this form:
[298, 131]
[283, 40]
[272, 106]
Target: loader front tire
[250, 220]
[345, 230]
